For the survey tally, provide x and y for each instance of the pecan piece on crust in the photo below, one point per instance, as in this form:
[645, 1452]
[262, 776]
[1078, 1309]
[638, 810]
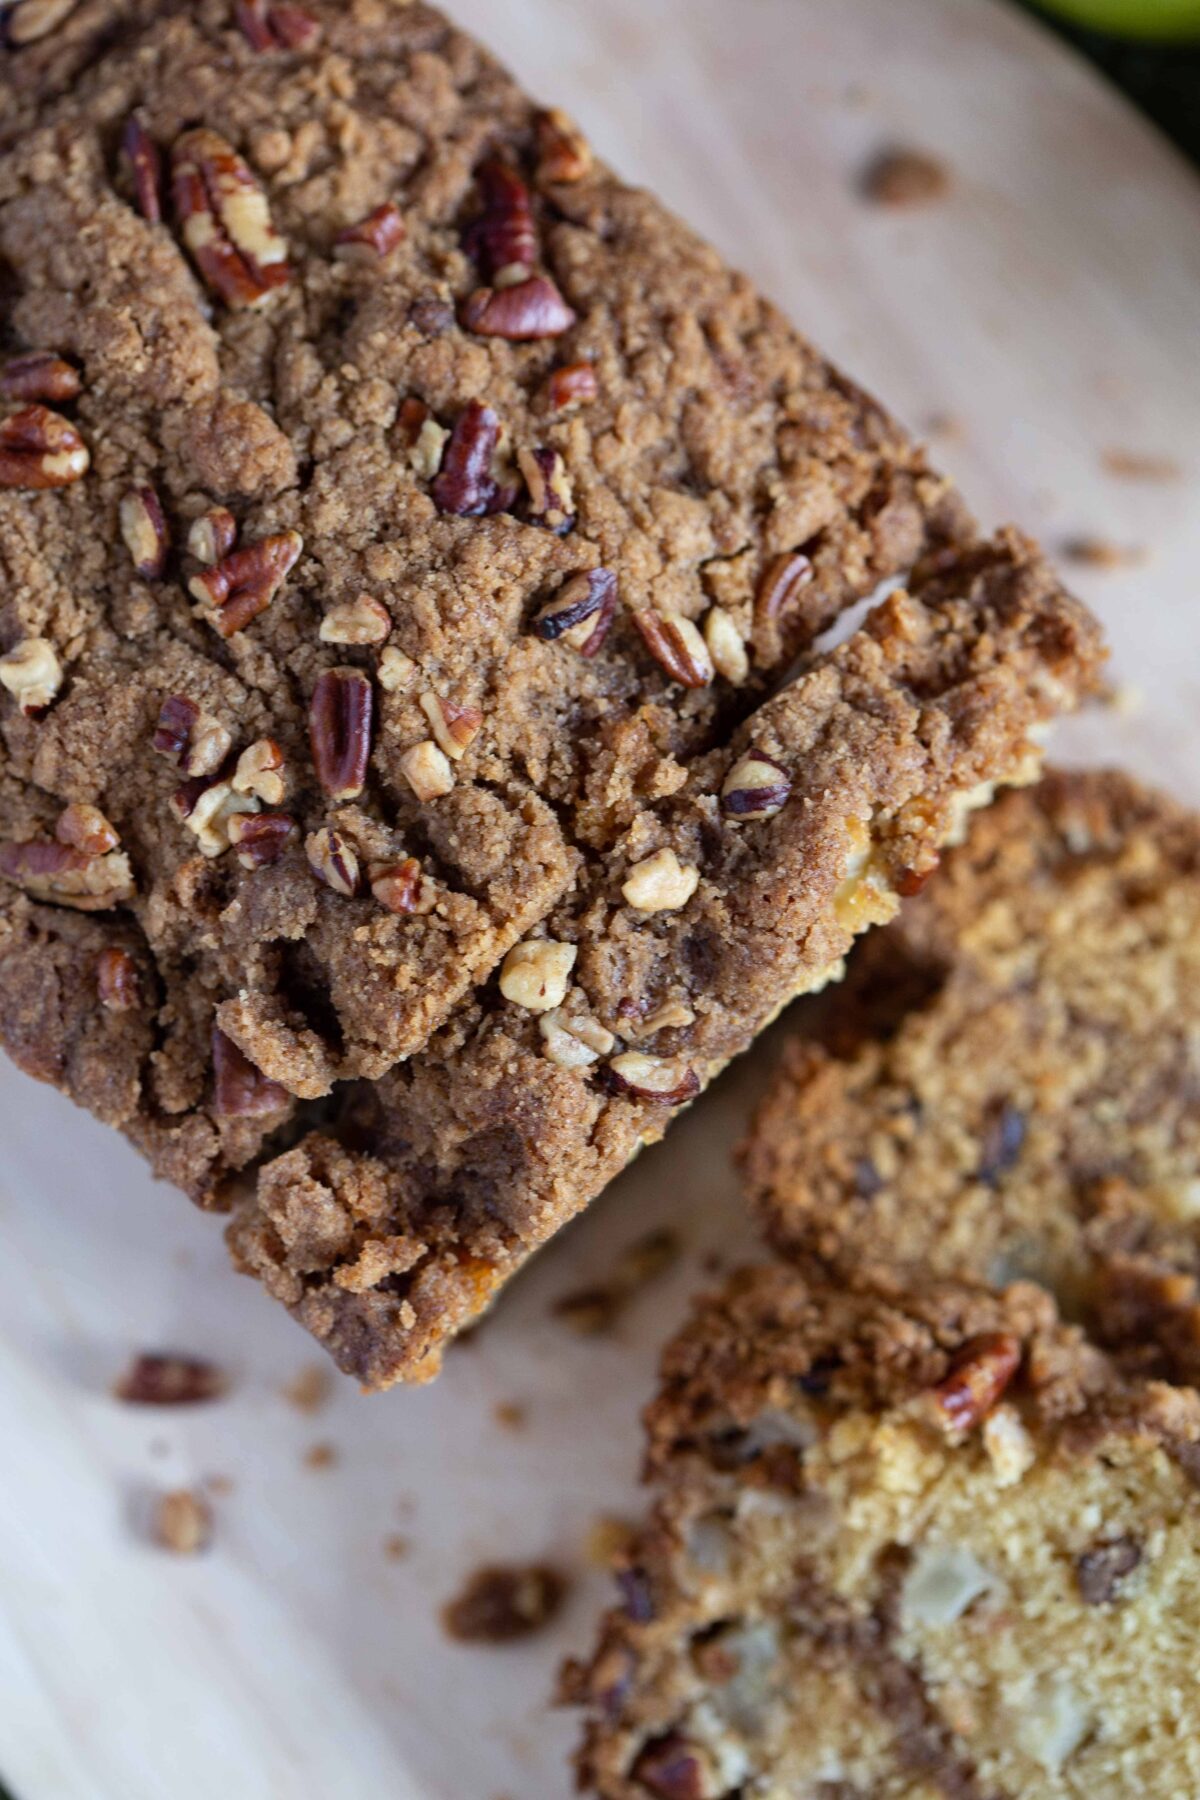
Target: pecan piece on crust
[144, 161]
[581, 613]
[144, 529]
[40, 449]
[976, 1379]
[379, 232]
[240, 1090]
[503, 239]
[677, 647]
[32, 674]
[564, 154]
[652, 1078]
[39, 375]
[340, 715]
[521, 312]
[275, 25]
[244, 583]
[117, 981]
[464, 484]
[225, 220]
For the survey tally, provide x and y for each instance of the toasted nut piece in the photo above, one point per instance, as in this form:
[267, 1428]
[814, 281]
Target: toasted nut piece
[207, 814]
[672, 1768]
[377, 234]
[464, 484]
[573, 384]
[564, 154]
[260, 838]
[240, 1090]
[402, 887]
[756, 787]
[117, 980]
[660, 883]
[225, 220]
[781, 582]
[1099, 1572]
[454, 727]
[550, 502]
[40, 449]
[978, 1377]
[153, 1379]
[523, 310]
[340, 717]
[573, 1040]
[672, 1015]
[653, 1078]
[32, 674]
[39, 375]
[1010, 1448]
[725, 646]
[501, 1604]
[276, 25]
[427, 770]
[196, 741]
[260, 771]
[361, 621]
[581, 613]
[504, 236]
[244, 583]
[427, 450]
[676, 646]
[333, 860]
[144, 529]
[394, 670]
[183, 1522]
[212, 536]
[30, 20]
[535, 974]
[144, 160]
[86, 828]
[67, 877]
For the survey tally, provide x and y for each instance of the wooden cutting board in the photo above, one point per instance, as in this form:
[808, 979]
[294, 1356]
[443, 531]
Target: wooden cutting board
[1041, 322]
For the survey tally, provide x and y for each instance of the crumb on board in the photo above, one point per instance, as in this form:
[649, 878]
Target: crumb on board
[591, 1311]
[503, 1602]
[396, 1546]
[310, 1389]
[219, 1484]
[608, 1540]
[320, 1456]
[183, 1522]
[1136, 465]
[162, 1378]
[902, 177]
[943, 425]
[513, 1415]
[1101, 553]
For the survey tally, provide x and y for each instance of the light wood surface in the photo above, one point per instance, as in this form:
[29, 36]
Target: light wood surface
[1047, 309]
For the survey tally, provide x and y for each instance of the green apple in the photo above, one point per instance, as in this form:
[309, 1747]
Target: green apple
[1133, 18]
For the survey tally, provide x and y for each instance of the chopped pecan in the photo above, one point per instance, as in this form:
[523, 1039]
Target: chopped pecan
[726, 646]
[361, 621]
[259, 771]
[432, 316]
[454, 727]
[395, 670]
[340, 716]
[676, 646]
[39, 375]
[117, 980]
[225, 220]
[900, 177]
[402, 887]
[275, 25]
[564, 154]
[581, 613]
[573, 384]
[259, 839]
[756, 787]
[154, 1379]
[660, 883]
[334, 861]
[194, 740]
[535, 974]
[40, 449]
[32, 674]
[782, 580]
[977, 1378]
[208, 809]
[240, 1090]
[499, 1605]
[213, 535]
[673, 1769]
[574, 1040]
[652, 1078]
[144, 529]
[379, 232]
[1100, 1571]
[548, 485]
[521, 312]
[183, 1522]
[68, 877]
[85, 828]
[144, 159]
[465, 484]
[503, 239]
[427, 770]
[28, 20]
[244, 583]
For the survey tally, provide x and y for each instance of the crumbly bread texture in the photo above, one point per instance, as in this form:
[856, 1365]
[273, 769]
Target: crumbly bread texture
[404, 526]
[905, 1546]
[1011, 1086]
[456, 1166]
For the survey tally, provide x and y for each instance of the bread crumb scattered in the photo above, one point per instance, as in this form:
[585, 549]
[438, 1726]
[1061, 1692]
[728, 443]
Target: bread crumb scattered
[157, 1378]
[310, 1390]
[608, 1540]
[500, 1603]
[899, 177]
[320, 1456]
[1102, 553]
[396, 1547]
[513, 1415]
[1133, 465]
[594, 1310]
[183, 1522]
